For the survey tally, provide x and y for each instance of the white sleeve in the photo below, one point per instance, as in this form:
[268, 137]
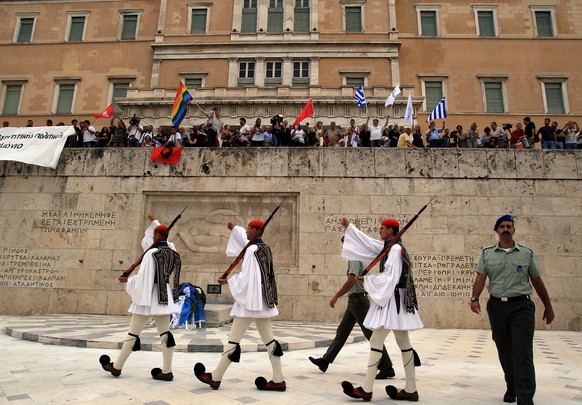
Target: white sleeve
[246, 286]
[139, 287]
[148, 238]
[359, 246]
[381, 286]
[237, 241]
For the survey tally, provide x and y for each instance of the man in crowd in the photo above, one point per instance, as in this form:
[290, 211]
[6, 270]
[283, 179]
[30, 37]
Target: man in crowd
[89, 139]
[376, 131]
[512, 270]
[433, 136]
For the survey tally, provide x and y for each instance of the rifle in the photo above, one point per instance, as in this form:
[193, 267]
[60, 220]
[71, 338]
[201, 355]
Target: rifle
[385, 251]
[131, 268]
[250, 242]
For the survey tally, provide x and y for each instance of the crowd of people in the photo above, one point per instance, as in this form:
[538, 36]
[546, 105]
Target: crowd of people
[279, 132]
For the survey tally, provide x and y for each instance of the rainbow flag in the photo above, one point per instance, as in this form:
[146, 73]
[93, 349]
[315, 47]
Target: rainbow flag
[182, 99]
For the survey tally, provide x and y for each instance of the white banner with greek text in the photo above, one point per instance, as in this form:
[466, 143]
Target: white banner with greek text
[41, 146]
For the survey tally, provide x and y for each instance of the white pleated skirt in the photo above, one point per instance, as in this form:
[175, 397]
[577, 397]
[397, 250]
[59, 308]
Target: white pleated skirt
[156, 308]
[389, 318]
[241, 312]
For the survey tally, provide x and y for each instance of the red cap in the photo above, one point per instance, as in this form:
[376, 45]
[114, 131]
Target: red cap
[391, 222]
[256, 223]
[160, 229]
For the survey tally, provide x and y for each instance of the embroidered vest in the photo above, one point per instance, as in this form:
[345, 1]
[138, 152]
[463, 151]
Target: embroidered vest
[265, 260]
[167, 262]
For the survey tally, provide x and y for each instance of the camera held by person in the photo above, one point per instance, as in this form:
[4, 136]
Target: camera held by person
[507, 126]
[134, 120]
[277, 119]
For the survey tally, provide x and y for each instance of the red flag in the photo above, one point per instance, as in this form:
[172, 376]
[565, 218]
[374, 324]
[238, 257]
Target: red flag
[166, 155]
[108, 112]
[306, 112]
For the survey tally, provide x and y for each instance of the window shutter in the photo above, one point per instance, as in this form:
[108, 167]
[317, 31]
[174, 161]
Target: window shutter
[199, 16]
[12, 100]
[494, 97]
[129, 26]
[76, 30]
[275, 22]
[249, 20]
[486, 24]
[119, 91]
[433, 94]
[193, 83]
[25, 33]
[555, 98]
[65, 101]
[354, 82]
[353, 19]
[428, 23]
[301, 19]
[544, 23]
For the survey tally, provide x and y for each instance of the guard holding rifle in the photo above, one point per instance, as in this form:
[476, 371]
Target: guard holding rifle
[152, 297]
[255, 293]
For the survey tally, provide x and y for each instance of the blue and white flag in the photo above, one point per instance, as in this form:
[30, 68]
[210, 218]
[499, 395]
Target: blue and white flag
[439, 112]
[360, 97]
[392, 97]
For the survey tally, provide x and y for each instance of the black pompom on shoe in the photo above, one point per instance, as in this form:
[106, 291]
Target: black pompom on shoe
[206, 378]
[158, 375]
[263, 385]
[107, 365]
[357, 393]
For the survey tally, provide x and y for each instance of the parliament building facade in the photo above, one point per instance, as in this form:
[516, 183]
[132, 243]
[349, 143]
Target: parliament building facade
[492, 60]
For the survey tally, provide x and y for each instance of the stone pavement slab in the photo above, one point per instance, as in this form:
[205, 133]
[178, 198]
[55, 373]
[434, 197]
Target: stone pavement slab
[459, 367]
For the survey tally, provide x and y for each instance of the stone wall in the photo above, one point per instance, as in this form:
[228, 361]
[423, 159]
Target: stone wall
[69, 232]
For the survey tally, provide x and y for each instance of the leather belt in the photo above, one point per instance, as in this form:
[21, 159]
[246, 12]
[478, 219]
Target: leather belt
[504, 299]
[358, 295]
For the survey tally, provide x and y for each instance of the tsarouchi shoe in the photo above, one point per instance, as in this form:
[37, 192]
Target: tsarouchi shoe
[107, 365]
[206, 378]
[263, 385]
[158, 375]
[357, 393]
[401, 395]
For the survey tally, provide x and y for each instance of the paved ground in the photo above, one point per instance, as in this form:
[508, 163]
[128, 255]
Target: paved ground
[54, 360]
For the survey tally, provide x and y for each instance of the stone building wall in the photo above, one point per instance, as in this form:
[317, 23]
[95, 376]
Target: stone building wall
[68, 233]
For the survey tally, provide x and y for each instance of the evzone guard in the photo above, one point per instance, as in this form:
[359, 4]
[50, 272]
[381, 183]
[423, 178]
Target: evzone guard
[152, 297]
[255, 293]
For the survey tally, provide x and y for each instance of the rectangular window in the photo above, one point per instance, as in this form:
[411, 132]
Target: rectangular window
[249, 16]
[25, 30]
[199, 16]
[193, 82]
[273, 73]
[494, 97]
[301, 16]
[486, 23]
[354, 82]
[129, 28]
[544, 24]
[119, 91]
[65, 99]
[300, 73]
[433, 92]
[353, 19]
[428, 23]
[246, 73]
[76, 28]
[275, 18]
[12, 99]
[554, 98]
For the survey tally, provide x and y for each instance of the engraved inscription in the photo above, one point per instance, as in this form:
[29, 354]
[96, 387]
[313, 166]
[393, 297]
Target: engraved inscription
[28, 268]
[443, 276]
[76, 221]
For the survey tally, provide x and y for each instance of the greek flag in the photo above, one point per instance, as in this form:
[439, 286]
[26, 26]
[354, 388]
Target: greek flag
[439, 112]
[360, 98]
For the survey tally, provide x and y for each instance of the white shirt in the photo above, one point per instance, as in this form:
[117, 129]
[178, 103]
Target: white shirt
[376, 132]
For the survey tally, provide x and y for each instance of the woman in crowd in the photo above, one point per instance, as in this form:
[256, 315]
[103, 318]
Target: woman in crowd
[226, 136]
